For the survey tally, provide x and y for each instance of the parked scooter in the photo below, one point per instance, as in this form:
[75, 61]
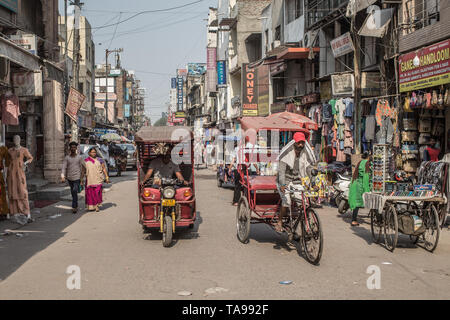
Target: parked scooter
[342, 187]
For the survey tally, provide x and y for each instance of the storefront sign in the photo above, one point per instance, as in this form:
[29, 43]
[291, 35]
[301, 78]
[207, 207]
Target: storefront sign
[114, 72]
[342, 84]
[221, 73]
[173, 83]
[10, 4]
[74, 103]
[370, 84]
[196, 69]
[211, 73]
[249, 91]
[182, 72]
[180, 114]
[180, 85]
[325, 90]
[126, 108]
[26, 41]
[27, 84]
[424, 68]
[342, 45]
[263, 90]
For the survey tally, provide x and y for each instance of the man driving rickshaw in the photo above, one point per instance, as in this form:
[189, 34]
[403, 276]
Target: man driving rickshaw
[296, 161]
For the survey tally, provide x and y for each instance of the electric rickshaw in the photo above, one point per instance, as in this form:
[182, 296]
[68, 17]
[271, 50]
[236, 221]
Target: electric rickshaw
[166, 204]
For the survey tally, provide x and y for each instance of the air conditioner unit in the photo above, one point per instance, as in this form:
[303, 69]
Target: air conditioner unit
[276, 43]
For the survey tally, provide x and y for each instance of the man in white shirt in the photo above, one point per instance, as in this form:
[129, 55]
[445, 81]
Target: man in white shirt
[71, 170]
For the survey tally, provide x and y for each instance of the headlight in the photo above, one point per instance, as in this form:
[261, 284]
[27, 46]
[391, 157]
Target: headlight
[169, 192]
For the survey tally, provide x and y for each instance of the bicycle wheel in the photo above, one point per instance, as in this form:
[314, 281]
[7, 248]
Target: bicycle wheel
[243, 217]
[312, 237]
[376, 225]
[391, 228]
[431, 221]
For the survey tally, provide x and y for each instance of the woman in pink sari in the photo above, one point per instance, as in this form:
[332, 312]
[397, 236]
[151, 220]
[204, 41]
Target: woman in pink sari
[95, 171]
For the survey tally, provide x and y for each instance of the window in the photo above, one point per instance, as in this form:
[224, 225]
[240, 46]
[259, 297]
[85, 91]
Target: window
[266, 38]
[277, 33]
[294, 10]
[418, 14]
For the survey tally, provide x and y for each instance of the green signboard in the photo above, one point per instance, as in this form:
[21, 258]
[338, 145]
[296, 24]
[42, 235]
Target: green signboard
[10, 4]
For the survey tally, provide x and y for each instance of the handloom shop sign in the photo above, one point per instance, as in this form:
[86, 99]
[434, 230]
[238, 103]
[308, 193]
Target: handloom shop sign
[74, 103]
[249, 91]
[424, 68]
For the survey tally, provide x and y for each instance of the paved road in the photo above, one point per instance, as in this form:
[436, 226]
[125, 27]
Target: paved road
[118, 261]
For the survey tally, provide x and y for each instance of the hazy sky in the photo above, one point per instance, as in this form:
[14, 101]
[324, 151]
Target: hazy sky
[155, 44]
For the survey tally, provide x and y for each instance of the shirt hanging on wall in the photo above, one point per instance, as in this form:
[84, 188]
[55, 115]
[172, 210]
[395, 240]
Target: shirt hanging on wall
[10, 109]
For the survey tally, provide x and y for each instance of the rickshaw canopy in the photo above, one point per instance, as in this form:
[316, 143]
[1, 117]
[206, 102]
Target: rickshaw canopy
[164, 134]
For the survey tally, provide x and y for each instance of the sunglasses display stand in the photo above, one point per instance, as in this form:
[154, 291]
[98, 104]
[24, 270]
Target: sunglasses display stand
[380, 173]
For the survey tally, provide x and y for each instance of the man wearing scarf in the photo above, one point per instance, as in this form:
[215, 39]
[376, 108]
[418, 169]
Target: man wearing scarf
[296, 161]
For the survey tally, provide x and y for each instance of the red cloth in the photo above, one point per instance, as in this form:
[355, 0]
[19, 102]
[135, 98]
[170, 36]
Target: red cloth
[10, 110]
[433, 153]
[299, 136]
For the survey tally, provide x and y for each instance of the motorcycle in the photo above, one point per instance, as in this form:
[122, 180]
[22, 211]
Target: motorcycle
[342, 187]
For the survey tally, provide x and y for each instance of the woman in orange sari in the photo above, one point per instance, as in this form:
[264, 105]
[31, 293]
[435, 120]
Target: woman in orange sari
[95, 171]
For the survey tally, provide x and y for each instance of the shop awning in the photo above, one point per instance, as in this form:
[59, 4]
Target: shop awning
[18, 55]
[296, 53]
[267, 123]
[302, 121]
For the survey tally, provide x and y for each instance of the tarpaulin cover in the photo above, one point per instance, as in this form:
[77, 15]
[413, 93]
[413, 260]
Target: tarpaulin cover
[267, 123]
[302, 121]
[164, 134]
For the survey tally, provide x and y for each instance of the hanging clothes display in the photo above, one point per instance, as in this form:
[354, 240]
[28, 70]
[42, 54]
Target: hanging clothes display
[10, 109]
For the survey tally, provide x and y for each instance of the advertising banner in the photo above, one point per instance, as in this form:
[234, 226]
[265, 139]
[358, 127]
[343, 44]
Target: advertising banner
[196, 69]
[26, 41]
[342, 45]
[180, 93]
[173, 83]
[211, 73]
[182, 72]
[263, 90]
[126, 108]
[221, 73]
[424, 68]
[74, 103]
[249, 91]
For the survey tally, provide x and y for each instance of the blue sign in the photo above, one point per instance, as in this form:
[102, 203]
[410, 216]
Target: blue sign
[221, 73]
[99, 132]
[126, 110]
[179, 93]
[174, 83]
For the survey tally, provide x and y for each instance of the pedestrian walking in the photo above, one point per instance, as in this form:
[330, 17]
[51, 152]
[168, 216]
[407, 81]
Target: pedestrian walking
[360, 184]
[94, 170]
[71, 171]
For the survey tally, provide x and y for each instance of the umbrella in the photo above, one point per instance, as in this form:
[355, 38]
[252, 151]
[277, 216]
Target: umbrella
[111, 137]
[302, 121]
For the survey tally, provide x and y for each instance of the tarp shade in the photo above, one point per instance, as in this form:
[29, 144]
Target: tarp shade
[164, 134]
[266, 123]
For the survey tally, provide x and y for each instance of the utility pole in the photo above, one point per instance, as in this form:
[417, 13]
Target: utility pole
[106, 75]
[76, 58]
[357, 76]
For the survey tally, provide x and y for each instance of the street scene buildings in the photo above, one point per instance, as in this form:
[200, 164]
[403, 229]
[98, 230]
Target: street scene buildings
[299, 150]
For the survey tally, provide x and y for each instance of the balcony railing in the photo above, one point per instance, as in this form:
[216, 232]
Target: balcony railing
[317, 10]
[417, 14]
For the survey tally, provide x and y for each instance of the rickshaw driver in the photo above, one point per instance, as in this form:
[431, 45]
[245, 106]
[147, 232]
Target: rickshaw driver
[294, 163]
[166, 169]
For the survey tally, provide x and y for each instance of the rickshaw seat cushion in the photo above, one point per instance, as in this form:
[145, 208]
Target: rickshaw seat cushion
[262, 182]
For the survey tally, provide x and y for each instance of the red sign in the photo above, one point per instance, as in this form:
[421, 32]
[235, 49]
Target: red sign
[74, 103]
[249, 91]
[424, 68]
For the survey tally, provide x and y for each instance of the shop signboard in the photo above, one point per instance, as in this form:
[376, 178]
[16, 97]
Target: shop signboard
[211, 73]
[126, 108]
[114, 72]
[182, 72]
[249, 91]
[342, 45]
[196, 69]
[342, 84]
[10, 4]
[27, 84]
[74, 103]
[424, 68]
[180, 85]
[180, 114]
[101, 131]
[263, 90]
[221, 73]
[173, 83]
[26, 41]
[370, 84]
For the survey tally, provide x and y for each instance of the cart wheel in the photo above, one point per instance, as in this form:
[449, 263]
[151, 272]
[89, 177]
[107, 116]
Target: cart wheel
[376, 225]
[312, 237]
[167, 231]
[391, 229]
[442, 215]
[431, 221]
[243, 216]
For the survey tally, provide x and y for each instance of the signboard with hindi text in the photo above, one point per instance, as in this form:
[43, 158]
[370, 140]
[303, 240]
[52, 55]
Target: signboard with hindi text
[74, 103]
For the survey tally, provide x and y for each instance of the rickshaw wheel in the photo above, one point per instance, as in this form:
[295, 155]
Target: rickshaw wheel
[433, 230]
[312, 238]
[442, 215]
[376, 225]
[391, 228]
[167, 231]
[243, 216]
